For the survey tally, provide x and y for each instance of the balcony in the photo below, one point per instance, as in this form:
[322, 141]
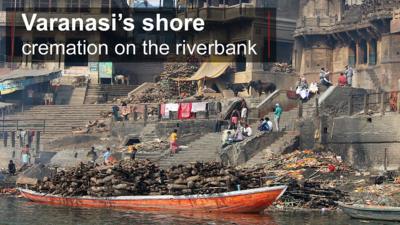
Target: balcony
[224, 13]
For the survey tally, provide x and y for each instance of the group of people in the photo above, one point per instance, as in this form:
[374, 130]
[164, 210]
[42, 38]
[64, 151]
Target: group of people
[121, 113]
[238, 134]
[239, 115]
[266, 124]
[107, 156]
[305, 90]
[345, 78]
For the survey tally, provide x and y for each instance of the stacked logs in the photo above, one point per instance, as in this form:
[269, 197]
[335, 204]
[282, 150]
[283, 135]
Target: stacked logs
[129, 177]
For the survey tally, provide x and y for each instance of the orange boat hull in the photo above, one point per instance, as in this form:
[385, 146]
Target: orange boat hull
[247, 201]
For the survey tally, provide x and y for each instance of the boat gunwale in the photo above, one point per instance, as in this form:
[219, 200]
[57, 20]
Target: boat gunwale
[165, 197]
[369, 208]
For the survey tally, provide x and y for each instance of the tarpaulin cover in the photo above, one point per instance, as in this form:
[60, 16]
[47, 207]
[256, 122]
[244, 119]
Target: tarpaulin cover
[210, 70]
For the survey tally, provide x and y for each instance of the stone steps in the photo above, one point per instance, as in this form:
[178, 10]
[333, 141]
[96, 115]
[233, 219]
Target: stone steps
[204, 149]
[96, 92]
[59, 119]
[78, 96]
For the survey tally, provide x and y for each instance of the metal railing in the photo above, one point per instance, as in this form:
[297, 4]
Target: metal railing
[378, 102]
[23, 124]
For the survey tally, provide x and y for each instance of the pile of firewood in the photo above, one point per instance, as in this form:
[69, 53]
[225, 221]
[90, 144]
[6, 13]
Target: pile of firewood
[129, 177]
[124, 178]
[167, 88]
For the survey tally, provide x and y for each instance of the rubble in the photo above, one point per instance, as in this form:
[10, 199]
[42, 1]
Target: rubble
[378, 195]
[315, 180]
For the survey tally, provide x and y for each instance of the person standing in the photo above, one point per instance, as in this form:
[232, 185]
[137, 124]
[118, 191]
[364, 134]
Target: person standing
[25, 155]
[349, 75]
[173, 141]
[92, 155]
[124, 111]
[277, 115]
[107, 155]
[11, 168]
[342, 81]
[115, 113]
[243, 114]
[5, 138]
[132, 150]
[234, 118]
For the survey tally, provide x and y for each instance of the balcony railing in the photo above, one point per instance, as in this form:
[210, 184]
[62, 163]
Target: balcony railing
[223, 13]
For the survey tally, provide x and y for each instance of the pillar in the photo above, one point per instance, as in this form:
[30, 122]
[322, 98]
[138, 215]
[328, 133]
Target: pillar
[60, 59]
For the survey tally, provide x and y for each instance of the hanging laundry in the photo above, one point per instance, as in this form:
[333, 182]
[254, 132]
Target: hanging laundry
[170, 107]
[184, 111]
[164, 113]
[199, 107]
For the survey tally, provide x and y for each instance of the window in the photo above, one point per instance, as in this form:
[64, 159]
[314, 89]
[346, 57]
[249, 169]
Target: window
[373, 53]
[45, 5]
[352, 54]
[363, 52]
[11, 5]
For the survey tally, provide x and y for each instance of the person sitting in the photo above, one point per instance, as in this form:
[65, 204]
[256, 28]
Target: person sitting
[247, 130]
[238, 136]
[342, 81]
[263, 125]
[269, 124]
[227, 138]
[324, 77]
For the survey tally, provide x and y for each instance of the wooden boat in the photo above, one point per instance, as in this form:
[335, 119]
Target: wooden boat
[371, 212]
[246, 201]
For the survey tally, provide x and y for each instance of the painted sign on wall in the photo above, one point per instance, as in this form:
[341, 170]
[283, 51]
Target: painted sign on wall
[105, 70]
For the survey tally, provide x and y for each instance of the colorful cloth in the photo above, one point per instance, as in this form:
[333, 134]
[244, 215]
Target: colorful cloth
[184, 111]
[342, 81]
[234, 119]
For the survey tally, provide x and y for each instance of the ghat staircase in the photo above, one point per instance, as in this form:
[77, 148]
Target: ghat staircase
[96, 93]
[57, 120]
[204, 149]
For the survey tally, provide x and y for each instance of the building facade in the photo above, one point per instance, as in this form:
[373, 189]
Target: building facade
[362, 34]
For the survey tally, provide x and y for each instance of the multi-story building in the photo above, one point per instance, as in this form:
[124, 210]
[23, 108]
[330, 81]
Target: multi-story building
[234, 21]
[362, 34]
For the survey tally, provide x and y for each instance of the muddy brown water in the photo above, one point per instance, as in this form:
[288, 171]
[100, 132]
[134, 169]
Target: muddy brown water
[17, 211]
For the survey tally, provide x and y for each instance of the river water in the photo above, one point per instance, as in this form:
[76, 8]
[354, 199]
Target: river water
[20, 212]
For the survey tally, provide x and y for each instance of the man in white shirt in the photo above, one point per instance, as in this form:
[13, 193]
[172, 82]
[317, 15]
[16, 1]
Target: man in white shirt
[247, 130]
[243, 114]
[269, 123]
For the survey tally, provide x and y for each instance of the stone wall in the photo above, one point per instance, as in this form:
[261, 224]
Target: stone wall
[164, 128]
[240, 153]
[363, 141]
[335, 101]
